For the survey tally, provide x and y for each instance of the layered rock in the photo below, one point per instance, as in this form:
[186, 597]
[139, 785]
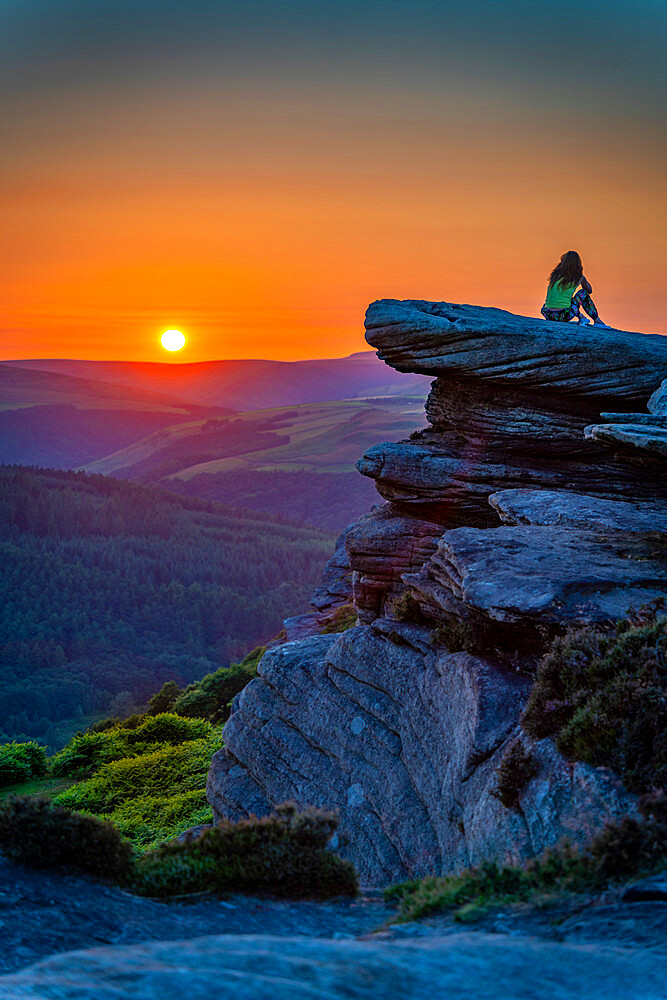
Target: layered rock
[491, 345]
[636, 436]
[541, 575]
[382, 546]
[509, 409]
[504, 525]
[575, 510]
[403, 739]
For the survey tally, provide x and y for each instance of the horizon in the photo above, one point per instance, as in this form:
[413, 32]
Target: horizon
[256, 176]
[175, 362]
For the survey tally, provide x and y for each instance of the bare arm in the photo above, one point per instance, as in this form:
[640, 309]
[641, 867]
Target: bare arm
[586, 285]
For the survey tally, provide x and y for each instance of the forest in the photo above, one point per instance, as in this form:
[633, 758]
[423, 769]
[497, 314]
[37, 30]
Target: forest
[108, 589]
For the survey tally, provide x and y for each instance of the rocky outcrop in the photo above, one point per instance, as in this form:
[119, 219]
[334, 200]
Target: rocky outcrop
[504, 525]
[494, 346]
[575, 510]
[479, 966]
[382, 546]
[641, 436]
[403, 740]
[335, 586]
[541, 575]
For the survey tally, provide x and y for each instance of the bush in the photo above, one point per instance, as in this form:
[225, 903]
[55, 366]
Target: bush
[405, 608]
[456, 636]
[149, 820]
[21, 761]
[88, 751]
[164, 700]
[210, 697]
[603, 696]
[343, 618]
[284, 854]
[515, 770]
[37, 833]
[163, 772]
[622, 850]
[169, 728]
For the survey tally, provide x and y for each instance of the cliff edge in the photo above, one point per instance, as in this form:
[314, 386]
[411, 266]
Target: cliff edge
[508, 518]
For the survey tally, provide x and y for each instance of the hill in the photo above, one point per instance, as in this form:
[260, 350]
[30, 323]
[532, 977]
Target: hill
[59, 420]
[247, 384]
[294, 461]
[108, 589]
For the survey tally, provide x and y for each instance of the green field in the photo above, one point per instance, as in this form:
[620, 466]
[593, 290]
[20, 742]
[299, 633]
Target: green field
[321, 437]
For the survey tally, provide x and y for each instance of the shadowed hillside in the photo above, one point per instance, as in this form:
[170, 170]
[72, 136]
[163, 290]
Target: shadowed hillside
[59, 420]
[108, 589]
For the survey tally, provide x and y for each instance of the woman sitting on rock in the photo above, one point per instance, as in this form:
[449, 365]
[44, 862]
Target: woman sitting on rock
[563, 301]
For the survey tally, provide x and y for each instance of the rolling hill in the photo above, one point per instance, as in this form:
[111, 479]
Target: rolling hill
[295, 461]
[58, 420]
[248, 384]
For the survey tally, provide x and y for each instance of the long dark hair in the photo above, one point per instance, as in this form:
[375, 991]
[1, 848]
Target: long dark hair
[568, 271]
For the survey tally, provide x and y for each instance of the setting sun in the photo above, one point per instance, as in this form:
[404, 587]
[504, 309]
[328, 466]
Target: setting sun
[172, 340]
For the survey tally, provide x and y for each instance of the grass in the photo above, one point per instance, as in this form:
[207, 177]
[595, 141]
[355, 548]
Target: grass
[327, 437]
[623, 850]
[343, 618]
[46, 788]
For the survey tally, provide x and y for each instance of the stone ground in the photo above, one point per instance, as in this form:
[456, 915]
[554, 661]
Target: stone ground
[609, 947]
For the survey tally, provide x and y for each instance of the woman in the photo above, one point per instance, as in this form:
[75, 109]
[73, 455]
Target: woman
[564, 301]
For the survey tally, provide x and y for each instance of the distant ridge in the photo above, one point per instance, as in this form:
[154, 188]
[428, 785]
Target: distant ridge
[245, 384]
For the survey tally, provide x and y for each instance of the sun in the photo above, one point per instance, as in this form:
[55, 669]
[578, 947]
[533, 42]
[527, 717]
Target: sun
[172, 340]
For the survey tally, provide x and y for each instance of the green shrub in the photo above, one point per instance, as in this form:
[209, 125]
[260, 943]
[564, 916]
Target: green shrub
[603, 696]
[515, 770]
[284, 854]
[622, 850]
[169, 728]
[210, 697]
[405, 608]
[43, 835]
[164, 700]
[343, 618]
[88, 751]
[85, 751]
[149, 820]
[21, 761]
[456, 636]
[162, 772]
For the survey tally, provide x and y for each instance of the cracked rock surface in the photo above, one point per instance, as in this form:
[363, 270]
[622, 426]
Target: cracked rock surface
[403, 740]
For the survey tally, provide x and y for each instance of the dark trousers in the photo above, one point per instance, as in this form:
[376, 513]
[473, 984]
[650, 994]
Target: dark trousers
[580, 300]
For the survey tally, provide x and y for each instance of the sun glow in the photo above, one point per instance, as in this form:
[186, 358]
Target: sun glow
[172, 340]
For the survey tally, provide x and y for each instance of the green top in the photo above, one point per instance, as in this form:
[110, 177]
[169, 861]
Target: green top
[560, 296]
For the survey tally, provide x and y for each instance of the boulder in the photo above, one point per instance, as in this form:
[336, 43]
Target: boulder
[403, 740]
[547, 575]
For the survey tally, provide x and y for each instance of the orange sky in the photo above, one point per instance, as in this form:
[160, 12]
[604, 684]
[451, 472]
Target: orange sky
[262, 220]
